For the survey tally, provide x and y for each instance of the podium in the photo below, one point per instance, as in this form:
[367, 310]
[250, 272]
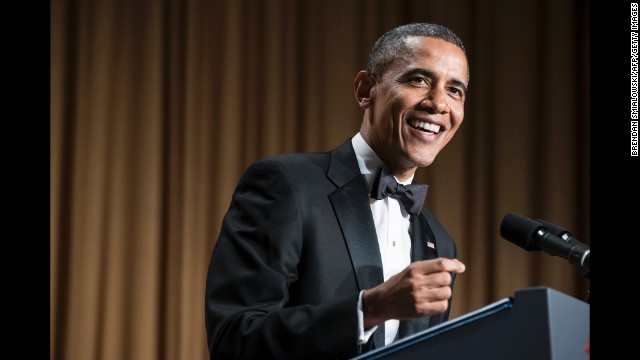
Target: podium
[537, 323]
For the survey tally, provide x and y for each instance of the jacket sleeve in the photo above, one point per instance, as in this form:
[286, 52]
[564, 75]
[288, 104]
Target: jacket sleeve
[254, 261]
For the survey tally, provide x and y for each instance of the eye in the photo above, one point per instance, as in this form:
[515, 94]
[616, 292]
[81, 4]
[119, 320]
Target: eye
[456, 92]
[419, 80]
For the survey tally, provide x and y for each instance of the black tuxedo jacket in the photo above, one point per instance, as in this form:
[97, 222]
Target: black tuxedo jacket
[296, 246]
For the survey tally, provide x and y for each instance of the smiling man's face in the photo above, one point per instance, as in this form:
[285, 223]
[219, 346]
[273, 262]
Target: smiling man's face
[414, 109]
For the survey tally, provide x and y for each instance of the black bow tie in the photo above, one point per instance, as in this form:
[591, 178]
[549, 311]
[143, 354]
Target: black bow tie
[412, 196]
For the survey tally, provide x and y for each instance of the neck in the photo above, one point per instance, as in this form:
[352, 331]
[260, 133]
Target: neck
[402, 174]
[389, 158]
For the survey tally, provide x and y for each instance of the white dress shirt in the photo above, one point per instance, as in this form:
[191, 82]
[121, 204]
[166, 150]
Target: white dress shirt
[392, 227]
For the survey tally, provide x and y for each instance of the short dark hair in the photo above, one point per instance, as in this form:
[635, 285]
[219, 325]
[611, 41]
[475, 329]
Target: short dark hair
[391, 44]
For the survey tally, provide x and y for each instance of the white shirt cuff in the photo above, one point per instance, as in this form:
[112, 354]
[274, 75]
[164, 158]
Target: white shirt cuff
[363, 336]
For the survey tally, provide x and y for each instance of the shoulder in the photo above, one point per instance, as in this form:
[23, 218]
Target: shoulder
[307, 163]
[291, 164]
[308, 172]
[288, 170]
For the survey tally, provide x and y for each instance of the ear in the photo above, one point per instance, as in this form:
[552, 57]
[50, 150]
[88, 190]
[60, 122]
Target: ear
[363, 86]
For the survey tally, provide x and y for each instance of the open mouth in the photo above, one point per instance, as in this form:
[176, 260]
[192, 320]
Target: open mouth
[424, 126]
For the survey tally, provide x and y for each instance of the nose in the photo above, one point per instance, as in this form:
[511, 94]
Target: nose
[435, 101]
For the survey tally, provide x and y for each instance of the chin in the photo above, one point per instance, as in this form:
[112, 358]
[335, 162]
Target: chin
[424, 161]
[425, 164]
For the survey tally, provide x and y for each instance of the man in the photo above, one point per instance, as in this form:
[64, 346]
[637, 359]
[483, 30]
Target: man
[313, 259]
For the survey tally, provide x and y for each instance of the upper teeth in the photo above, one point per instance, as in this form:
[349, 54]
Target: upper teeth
[425, 125]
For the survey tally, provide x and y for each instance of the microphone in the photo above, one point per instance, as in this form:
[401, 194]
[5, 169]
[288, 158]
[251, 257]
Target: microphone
[531, 235]
[581, 257]
[559, 231]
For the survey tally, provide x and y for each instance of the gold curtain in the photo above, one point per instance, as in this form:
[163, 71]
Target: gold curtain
[155, 104]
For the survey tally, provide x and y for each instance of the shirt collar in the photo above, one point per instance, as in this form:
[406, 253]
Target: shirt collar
[368, 161]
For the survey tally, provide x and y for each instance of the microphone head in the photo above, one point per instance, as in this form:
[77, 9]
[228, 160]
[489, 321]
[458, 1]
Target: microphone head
[520, 230]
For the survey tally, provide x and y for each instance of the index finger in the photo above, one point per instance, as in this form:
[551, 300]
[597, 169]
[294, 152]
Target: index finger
[438, 265]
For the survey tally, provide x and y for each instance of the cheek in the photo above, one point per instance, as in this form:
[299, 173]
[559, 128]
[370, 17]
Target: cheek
[457, 114]
[395, 114]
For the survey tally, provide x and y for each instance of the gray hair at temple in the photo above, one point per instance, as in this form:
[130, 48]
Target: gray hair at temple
[391, 45]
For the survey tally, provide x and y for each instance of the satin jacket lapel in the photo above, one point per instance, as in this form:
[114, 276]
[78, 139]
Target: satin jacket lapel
[423, 241]
[421, 236]
[359, 233]
[351, 205]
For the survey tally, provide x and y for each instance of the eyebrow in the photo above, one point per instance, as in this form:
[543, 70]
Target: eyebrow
[429, 73]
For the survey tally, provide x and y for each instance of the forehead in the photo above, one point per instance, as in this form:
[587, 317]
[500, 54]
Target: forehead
[432, 54]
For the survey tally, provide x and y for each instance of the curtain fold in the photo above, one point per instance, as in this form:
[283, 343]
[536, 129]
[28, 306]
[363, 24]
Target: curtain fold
[157, 107]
